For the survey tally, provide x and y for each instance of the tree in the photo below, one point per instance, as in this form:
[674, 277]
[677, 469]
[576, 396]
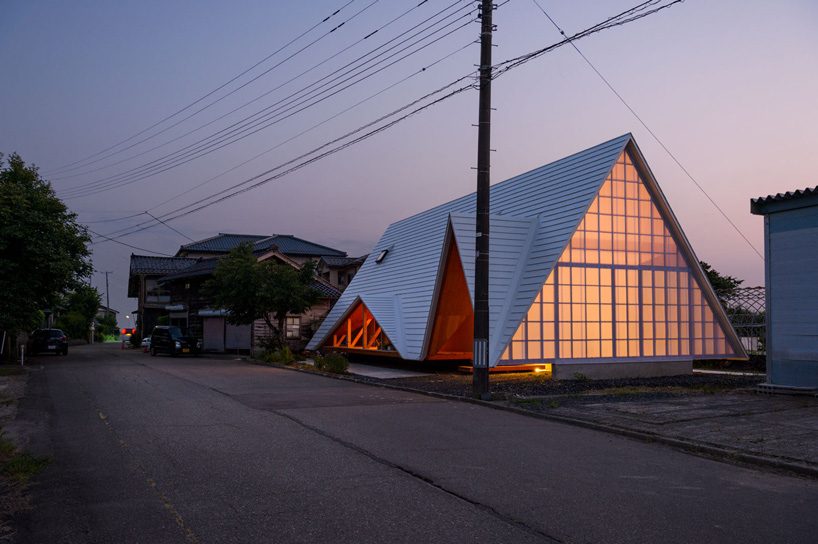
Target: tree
[43, 249]
[724, 286]
[266, 290]
[106, 325]
[79, 310]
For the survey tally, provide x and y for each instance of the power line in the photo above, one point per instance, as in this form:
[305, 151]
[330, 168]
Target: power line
[127, 245]
[181, 211]
[313, 127]
[223, 85]
[245, 104]
[421, 70]
[113, 220]
[618, 20]
[651, 132]
[247, 127]
[171, 228]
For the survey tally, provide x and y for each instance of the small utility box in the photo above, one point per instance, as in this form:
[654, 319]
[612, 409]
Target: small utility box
[791, 278]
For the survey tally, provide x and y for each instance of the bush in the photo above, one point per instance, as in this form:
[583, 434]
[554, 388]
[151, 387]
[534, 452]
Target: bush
[332, 362]
[281, 356]
[74, 325]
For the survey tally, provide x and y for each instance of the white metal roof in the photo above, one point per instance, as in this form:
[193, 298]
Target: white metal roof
[534, 216]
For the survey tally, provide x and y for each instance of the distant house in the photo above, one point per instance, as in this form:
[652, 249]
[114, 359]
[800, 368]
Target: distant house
[171, 288]
[297, 249]
[104, 311]
[339, 271]
[791, 277]
[590, 273]
[153, 300]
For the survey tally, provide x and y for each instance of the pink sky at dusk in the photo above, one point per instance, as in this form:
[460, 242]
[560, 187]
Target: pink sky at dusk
[729, 86]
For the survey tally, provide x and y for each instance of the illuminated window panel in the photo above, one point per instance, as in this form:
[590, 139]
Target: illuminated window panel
[360, 331]
[620, 289]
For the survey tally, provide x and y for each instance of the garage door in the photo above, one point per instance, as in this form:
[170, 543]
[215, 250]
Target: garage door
[213, 334]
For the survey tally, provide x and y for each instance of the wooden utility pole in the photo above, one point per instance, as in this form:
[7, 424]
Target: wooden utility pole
[107, 296]
[480, 385]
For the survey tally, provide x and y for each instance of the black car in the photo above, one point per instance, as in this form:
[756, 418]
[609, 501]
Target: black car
[49, 340]
[170, 340]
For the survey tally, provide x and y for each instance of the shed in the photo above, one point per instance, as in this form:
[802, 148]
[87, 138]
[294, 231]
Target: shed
[791, 278]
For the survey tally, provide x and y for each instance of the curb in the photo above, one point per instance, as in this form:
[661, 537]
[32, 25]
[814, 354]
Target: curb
[700, 449]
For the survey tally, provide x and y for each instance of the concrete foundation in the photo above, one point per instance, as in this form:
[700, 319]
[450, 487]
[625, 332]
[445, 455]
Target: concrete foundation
[621, 369]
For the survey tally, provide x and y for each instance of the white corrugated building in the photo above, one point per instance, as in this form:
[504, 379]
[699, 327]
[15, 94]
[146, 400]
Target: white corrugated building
[589, 272]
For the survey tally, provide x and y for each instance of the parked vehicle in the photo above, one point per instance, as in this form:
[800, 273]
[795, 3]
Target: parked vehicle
[170, 340]
[146, 343]
[49, 340]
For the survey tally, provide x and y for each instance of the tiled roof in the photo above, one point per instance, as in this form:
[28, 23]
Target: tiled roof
[285, 243]
[340, 262]
[200, 267]
[148, 264]
[326, 290]
[221, 243]
[758, 205]
[291, 245]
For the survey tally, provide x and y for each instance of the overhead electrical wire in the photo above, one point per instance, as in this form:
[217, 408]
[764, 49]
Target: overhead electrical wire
[217, 89]
[315, 150]
[623, 18]
[313, 127]
[120, 242]
[652, 133]
[180, 233]
[248, 126]
[245, 104]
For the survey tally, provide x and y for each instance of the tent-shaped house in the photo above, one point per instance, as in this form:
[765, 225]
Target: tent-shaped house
[590, 273]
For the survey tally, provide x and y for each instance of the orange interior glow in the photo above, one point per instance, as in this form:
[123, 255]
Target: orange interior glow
[360, 331]
[453, 325]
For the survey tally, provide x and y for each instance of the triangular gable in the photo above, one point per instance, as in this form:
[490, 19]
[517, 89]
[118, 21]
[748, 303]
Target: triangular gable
[359, 330]
[511, 240]
[627, 285]
[452, 322]
[555, 195]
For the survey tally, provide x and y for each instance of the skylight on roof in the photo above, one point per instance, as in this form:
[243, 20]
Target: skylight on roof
[381, 256]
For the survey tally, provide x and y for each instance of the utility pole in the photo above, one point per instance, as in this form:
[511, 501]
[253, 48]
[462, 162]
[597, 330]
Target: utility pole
[107, 295]
[480, 362]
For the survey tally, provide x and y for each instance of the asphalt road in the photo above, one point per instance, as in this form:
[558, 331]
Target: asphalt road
[160, 450]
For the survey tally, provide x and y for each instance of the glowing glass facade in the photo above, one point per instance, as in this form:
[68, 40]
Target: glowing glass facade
[620, 289]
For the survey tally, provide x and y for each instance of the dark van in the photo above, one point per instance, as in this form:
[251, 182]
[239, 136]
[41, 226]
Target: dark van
[170, 340]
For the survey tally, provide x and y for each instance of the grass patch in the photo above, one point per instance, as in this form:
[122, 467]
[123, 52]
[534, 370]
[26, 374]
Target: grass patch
[23, 467]
[11, 370]
[7, 449]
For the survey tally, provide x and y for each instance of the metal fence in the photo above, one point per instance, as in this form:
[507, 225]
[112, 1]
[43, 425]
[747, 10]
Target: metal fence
[745, 306]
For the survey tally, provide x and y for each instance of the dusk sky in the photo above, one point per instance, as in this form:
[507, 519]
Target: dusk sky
[729, 86]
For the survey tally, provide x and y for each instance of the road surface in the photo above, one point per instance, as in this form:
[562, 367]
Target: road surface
[166, 450]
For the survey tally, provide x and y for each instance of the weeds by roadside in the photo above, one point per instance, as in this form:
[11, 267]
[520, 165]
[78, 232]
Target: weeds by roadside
[17, 465]
[281, 356]
[332, 362]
